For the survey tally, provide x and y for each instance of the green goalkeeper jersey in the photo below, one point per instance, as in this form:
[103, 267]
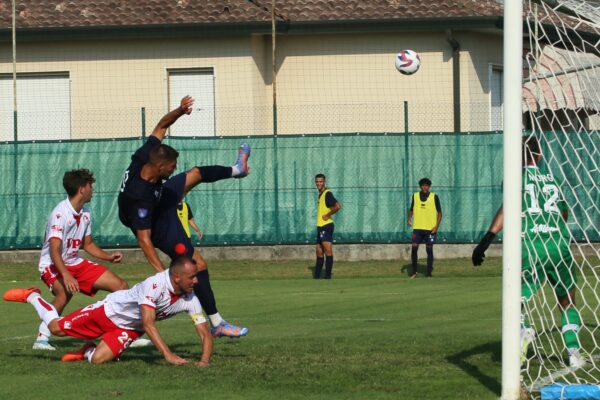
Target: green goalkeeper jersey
[543, 207]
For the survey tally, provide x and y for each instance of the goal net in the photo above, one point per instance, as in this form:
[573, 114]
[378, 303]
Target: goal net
[561, 108]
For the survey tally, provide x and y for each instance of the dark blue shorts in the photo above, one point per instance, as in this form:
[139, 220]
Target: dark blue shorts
[325, 233]
[167, 244]
[167, 230]
[172, 191]
[423, 236]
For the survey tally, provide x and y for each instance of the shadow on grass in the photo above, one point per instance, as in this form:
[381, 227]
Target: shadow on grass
[406, 269]
[312, 272]
[461, 360]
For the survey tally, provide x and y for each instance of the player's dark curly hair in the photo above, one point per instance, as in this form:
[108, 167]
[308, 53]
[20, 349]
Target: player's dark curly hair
[425, 181]
[74, 179]
[163, 152]
[320, 176]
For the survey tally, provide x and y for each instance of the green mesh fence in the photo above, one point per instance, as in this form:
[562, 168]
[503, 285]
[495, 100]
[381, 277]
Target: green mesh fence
[372, 175]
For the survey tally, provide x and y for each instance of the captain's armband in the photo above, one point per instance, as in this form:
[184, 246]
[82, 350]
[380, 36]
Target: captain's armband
[198, 318]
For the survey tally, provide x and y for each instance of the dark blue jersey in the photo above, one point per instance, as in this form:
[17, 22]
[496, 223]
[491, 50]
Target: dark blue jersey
[138, 198]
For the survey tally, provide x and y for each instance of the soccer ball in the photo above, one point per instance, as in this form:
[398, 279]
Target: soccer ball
[408, 62]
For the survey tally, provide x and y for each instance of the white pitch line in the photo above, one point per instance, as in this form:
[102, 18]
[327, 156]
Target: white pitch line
[350, 319]
[15, 338]
[344, 291]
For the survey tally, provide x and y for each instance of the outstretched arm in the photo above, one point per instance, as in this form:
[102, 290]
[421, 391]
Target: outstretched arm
[207, 343]
[143, 238]
[196, 228]
[168, 119]
[95, 251]
[438, 222]
[148, 320]
[496, 226]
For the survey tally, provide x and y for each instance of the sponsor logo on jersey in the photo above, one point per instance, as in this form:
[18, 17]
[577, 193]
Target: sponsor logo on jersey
[78, 316]
[541, 228]
[142, 212]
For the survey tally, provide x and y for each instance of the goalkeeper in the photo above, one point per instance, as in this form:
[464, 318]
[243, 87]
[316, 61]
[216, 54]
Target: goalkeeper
[546, 253]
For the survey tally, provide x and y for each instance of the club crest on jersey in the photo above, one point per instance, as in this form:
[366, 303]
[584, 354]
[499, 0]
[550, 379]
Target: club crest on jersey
[142, 212]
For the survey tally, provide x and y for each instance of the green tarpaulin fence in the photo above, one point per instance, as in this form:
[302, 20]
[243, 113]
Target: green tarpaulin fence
[372, 175]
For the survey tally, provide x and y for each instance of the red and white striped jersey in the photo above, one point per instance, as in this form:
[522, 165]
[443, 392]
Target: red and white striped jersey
[123, 307]
[69, 226]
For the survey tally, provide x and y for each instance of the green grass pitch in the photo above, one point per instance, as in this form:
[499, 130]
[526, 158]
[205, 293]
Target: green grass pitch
[370, 333]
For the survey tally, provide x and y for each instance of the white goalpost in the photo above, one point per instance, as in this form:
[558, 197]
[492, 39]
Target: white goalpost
[551, 331]
[511, 248]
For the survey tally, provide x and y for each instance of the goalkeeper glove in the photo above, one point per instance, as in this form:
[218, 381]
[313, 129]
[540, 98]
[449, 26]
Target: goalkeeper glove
[479, 252]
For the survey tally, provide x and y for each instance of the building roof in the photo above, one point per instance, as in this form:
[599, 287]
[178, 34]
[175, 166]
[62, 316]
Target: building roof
[96, 13]
[563, 79]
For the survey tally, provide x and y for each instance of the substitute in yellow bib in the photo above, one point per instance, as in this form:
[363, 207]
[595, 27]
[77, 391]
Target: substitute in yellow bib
[427, 212]
[327, 205]
[186, 217]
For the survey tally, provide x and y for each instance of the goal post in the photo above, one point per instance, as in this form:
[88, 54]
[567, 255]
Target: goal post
[511, 250]
[552, 208]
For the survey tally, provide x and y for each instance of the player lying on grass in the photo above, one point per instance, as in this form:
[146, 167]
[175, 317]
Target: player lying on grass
[125, 315]
[143, 200]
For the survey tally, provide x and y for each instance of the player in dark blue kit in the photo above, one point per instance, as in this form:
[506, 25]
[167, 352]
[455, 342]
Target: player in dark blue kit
[145, 202]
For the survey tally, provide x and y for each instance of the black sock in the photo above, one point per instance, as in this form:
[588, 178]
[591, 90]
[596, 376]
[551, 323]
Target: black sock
[414, 258]
[214, 173]
[429, 250]
[318, 267]
[205, 294]
[328, 266]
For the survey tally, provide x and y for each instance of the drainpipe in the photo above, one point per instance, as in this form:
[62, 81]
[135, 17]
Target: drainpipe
[455, 78]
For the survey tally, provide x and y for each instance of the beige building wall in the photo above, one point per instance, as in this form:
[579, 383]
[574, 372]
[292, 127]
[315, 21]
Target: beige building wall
[348, 83]
[479, 52]
[112, 80]
[336, 83]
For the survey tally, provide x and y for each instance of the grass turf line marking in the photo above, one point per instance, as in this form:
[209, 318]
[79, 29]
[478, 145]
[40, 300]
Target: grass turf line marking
[15, 338]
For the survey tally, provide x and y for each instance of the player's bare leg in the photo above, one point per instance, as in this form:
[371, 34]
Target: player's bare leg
[203, 291]
[110, 282]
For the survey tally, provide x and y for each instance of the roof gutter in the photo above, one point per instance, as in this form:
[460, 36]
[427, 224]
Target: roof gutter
[216, 29]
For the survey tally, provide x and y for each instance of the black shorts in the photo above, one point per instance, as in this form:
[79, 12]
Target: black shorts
[325, 233]
[423, 236]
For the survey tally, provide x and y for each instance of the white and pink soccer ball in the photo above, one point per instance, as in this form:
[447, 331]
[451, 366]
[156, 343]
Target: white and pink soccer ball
[408, 62]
